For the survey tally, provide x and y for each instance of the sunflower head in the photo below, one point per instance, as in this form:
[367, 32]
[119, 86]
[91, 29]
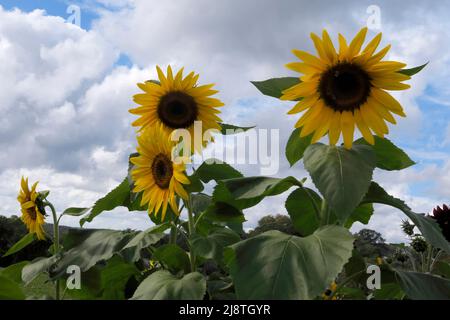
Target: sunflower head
[156, 174]
[345, 88]
[175, 102]
[442, 217]
[32, 209]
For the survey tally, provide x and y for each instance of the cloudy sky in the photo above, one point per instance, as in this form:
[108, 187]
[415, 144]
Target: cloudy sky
[65, 90]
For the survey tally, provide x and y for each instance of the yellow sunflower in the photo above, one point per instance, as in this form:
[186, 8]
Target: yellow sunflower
[176, 103]
[344, 88]
[31, 215]
[155, 174]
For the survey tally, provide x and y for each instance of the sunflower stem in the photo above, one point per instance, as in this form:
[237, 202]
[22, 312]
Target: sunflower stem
[55, 241]
[324, 213]
[191, 230]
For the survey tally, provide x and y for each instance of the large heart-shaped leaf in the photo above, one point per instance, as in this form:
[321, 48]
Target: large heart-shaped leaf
[423, 286]
[98, 245]
[427, 226]
[162, 285]
[342, 176]
[275, 265]
[211, 246]
[303, 206]
[131, 251]
[172, 257]
[10, 290]
[389, 156]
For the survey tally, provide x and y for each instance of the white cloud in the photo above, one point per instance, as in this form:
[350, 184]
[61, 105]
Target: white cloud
[64, 102]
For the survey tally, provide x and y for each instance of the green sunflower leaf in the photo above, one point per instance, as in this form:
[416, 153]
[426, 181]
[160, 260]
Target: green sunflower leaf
[422, 286]
[22, 243]
[342, 176]
[296, 146]
[427, 226]
[131, 251]
[76, 212]
[227, 129]
[162, 285]
[10, 290]
[212, 246]
[246, 192]
[389, 156]
[119, 196]
[275, 87]
[214, 169]
[303, 206]
[413, 71]
[275, 265]
[172, 257]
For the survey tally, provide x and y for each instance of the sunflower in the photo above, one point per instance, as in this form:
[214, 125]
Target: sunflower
[346, 88]
[176, 103]
[32, 216]
[155, 174]
[442, 217]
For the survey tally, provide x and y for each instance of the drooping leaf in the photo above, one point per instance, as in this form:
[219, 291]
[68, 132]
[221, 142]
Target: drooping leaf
[213, 169]
[10, 290]
[389, 156]
[98, 245]
[303, 206]
[120, 196]
[36, 267]
[413, 71]
[162, 285]
[275, 265]
[200, 202]
[389, 291]
[342, 176]
[76, 212]
[275, 86]
[22, 243]
[296, 146]
[423, 286]
[361, 214]
[114, 277]
[212, 246]
[14, 271]
[427, 226]
[232, 129]
[172, 257]
[131, 251]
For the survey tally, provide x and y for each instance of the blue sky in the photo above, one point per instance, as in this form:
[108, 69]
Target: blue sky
[75, 86]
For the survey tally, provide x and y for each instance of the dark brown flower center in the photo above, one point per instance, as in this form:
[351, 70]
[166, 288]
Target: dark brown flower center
[32, 213]
[344, 87]
[162, 170]
[177, 110]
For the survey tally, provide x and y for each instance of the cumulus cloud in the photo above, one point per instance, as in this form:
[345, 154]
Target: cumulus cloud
[64, 100]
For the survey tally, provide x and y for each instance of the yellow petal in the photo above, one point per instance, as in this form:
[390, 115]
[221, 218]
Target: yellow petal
[363, 128]
[304, 104]
[348, 128]
[328, 46]
[335, 128]
[372, 46]
[388, 101]
[319, 47]
[309, 59]
[355, 46]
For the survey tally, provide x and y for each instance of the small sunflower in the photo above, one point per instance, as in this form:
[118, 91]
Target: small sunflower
[32, 216]
[155, 174]
[442, 217]
[176, 103]
[344, 88]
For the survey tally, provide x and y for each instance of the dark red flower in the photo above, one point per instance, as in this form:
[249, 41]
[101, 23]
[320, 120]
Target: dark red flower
[442, 217]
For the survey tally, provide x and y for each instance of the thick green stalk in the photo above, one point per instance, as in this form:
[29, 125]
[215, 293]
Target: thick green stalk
[55, 242]
[191, 225]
